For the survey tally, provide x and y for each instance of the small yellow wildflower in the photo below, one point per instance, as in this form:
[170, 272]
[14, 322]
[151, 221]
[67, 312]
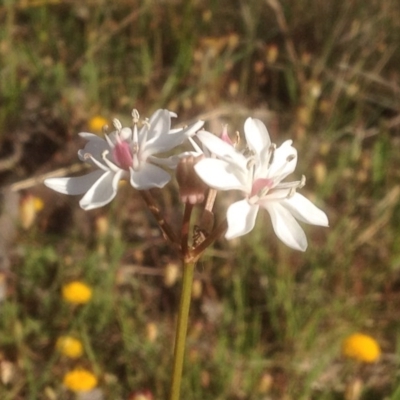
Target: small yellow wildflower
[97, 123]
[29, 207]
[69, 346]
[79, 380]
[76, 292]
[361, 348]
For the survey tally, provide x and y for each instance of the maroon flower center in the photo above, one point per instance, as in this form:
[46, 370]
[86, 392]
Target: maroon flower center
[259, 185]
[122, 155]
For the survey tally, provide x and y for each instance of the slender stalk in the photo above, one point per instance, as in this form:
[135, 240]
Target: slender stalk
[181, 330]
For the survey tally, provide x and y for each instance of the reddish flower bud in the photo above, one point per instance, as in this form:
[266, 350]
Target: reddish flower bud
[191, 188]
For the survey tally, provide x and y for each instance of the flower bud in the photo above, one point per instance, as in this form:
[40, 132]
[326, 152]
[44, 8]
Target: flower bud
[191, 188]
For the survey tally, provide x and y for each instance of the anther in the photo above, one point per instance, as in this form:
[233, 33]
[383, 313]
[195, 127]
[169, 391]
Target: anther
[117, 124]
[250, 163]
[146, 122]
[302, 182]
[237, 141]
[292, 192]
[291, 158]
[135, 116]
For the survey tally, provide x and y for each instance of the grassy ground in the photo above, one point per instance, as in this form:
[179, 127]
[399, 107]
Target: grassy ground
[266, 322]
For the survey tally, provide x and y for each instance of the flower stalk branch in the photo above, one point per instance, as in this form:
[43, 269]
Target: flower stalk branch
[196, 253]
[167, 231]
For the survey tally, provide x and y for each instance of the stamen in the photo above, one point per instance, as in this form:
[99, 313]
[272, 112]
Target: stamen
[271, 152]
[135, 116]
[145, 130]
[109, 164]
[135, 139]
[251, 163]
[302, 182]
[135, 145]
[117, 124]
[146, 122]
[291, 193]
[95, 162]
[237, 141]
[104, 129]
[109, 141]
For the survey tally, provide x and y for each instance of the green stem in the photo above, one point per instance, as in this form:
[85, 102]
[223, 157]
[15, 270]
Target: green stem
[180, 339]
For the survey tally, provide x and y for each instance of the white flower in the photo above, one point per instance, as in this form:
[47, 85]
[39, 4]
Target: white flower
[259, 177]
[126, 153]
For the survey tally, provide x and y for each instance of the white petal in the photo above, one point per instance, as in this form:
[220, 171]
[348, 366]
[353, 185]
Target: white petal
[160, 123]
[163, 143]
[221, 175]
[171, 139]
[75, 185]
[169, 162]
[241, 217]
[102, 192]
[305, 211]
[285, 226]
[149, 176]
[257, 135]
[95, 147]
[276, 194]
[190, 130]
[221, 149]
[284, 161]
[167, 139]
[172, 161]
[89, 136]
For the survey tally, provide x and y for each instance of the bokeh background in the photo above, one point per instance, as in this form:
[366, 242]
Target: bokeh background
[266, 322]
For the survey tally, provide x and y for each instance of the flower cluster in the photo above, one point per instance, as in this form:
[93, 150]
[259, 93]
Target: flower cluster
[135, 154]
[259, 176]
[126, 153]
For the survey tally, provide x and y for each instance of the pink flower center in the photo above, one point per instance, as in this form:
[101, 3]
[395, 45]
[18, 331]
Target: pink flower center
[122, 155]
[225, 137]
[259, 185]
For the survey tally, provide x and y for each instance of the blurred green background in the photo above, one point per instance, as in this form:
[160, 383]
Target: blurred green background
[267, 322]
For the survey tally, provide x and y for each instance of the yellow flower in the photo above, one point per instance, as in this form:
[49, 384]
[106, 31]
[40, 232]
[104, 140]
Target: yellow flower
[76, 292]
[69, 346]
[361, 348]
[79, 380]
[29, 207]
[97, 123]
